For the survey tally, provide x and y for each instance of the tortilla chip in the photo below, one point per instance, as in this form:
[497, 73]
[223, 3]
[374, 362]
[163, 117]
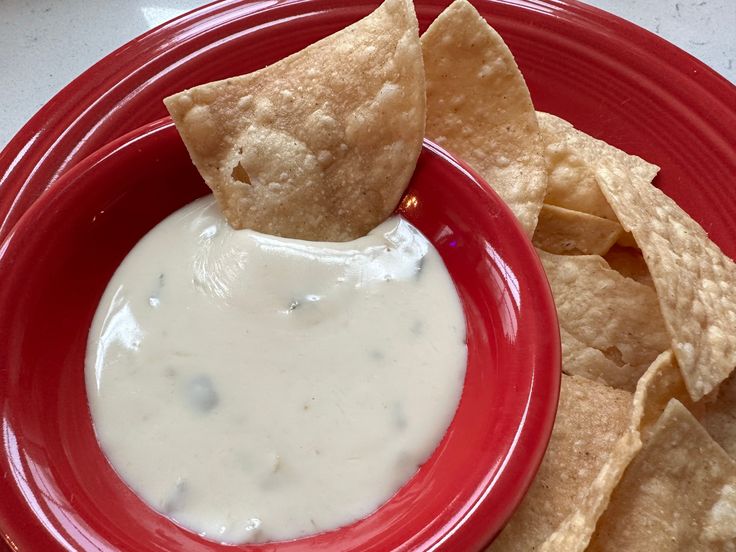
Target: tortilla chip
[321, 144]
[694, 279]
[575, 531]
[567, 232]
[629, 262]
[678, 494]
[608, 312]
[720, 416]
[660, 382]
[590, 419]
[478, 107]
[580, 360]
[572, 159]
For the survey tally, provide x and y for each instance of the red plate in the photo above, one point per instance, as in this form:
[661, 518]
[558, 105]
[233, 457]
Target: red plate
[59, 492]
[609, 77]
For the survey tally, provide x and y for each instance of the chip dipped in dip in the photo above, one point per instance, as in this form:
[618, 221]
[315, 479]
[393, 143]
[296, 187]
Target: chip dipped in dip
[253, 387]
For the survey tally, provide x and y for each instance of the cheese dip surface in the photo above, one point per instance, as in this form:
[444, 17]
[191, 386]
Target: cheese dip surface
[256, 388]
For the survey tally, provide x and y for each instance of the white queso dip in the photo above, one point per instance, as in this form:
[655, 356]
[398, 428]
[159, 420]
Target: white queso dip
[255, 388]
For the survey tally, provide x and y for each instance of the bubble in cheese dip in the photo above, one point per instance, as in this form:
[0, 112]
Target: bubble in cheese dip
[256, 388]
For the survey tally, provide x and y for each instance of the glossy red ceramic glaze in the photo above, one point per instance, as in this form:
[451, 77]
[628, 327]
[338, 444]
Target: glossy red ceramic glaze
[607, 76]
[59, 491]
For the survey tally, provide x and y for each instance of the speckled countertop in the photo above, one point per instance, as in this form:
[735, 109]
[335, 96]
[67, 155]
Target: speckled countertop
[46, 43]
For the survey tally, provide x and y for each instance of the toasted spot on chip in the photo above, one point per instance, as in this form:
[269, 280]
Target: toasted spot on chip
[572, 159]
[607, 311]
[630, 262]
[478, 107]
[566, 232]
[694, 279]
[591, 417]
[320, 145]
[676, 495]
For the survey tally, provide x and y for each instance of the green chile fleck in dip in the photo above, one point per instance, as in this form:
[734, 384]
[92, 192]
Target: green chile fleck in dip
[256, 388]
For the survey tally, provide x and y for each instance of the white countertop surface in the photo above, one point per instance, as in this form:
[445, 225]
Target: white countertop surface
[47, 43]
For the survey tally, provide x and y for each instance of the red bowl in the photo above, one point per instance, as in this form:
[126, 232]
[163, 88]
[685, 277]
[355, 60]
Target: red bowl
[59, 492]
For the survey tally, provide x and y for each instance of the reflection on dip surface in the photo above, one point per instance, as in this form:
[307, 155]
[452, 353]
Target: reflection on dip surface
[258, 388]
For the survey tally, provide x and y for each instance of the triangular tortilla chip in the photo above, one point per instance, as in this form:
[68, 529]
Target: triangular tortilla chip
[607, 311]
[590, 419]
[572, 159]
[567, 232]
[321, 144]
[677, 495]
[694, 279]
[478, 107]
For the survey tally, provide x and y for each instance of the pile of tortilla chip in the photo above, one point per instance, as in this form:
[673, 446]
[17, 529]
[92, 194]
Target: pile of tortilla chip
[643, 452]
[322, 144]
